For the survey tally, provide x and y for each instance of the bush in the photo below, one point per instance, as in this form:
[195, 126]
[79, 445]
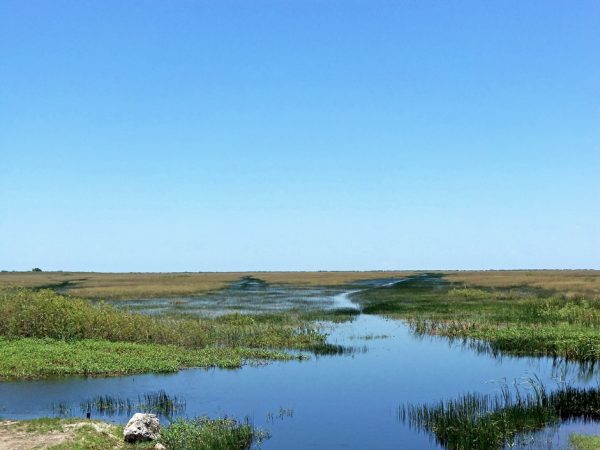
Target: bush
[205, 434]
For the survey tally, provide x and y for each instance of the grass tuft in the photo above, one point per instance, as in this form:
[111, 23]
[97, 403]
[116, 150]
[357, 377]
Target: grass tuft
[484, 422]
[206, 434]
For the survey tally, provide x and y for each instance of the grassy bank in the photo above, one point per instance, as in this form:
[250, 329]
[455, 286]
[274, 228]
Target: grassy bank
[44, 333]
[522, 319]
[583, 442]
[75, 434]
[27, 358]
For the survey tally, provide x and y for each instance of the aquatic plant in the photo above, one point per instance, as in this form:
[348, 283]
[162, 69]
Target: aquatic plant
[487, 422]
[61, 409]
[161, 403]
[106, 405]
[282, 414]
[152, 402]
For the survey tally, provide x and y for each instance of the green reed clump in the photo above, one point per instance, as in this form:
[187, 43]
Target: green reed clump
[161, 403]
[152, 402]
[61, 409]
[210, 434]
[107, 405]
[487, 422]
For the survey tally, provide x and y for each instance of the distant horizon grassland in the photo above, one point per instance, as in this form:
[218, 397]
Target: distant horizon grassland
[148, 285]
[569, 283]
[131, 285]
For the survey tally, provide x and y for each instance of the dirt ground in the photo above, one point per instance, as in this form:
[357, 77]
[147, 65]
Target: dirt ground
[16, 436]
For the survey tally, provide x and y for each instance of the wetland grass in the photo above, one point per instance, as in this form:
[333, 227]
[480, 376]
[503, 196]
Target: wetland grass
[520, 320]
[487, 422]
[159, 403]
[44, 333]
[45, 314]
[584, 442]
[29, 358]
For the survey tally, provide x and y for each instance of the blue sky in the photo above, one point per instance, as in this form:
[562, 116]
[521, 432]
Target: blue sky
[299, 135]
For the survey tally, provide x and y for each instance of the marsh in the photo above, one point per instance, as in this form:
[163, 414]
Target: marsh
[350, 399]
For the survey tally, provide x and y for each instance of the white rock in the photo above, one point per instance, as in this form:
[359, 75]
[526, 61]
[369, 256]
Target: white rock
[160, 447]
[142, 427]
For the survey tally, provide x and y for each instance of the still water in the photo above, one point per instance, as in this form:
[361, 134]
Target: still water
[347, 401]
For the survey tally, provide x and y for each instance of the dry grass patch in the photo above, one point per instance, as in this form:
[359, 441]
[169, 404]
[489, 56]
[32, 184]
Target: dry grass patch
[59, 434]
[568, 283]
[148, 285]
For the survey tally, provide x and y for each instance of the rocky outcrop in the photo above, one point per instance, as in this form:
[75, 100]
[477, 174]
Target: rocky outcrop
[142, 428]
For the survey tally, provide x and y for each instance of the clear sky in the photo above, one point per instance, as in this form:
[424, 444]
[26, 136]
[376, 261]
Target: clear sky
[299, 135]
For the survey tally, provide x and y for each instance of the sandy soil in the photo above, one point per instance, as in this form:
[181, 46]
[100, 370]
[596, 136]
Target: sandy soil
[15, 436]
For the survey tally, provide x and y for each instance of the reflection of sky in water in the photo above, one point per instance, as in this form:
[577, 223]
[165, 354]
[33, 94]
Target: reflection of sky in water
[248, 296]
[347, 401]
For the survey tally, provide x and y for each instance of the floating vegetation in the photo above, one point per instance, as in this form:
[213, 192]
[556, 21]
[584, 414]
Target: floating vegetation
[281, 414]
[370, 337]
[485, 422]
[153, 402]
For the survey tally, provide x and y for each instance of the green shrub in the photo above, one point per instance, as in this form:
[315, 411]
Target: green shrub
[205, 434]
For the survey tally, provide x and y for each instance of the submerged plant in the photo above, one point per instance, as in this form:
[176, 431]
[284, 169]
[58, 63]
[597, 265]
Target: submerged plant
[161, 403]
[61, 409]
[107, 405]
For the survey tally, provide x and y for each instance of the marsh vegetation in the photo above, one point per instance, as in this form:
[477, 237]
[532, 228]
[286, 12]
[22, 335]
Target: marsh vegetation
[472, 326]
[520, 319]
[64, 335]
[487, 422]
[160, 403]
